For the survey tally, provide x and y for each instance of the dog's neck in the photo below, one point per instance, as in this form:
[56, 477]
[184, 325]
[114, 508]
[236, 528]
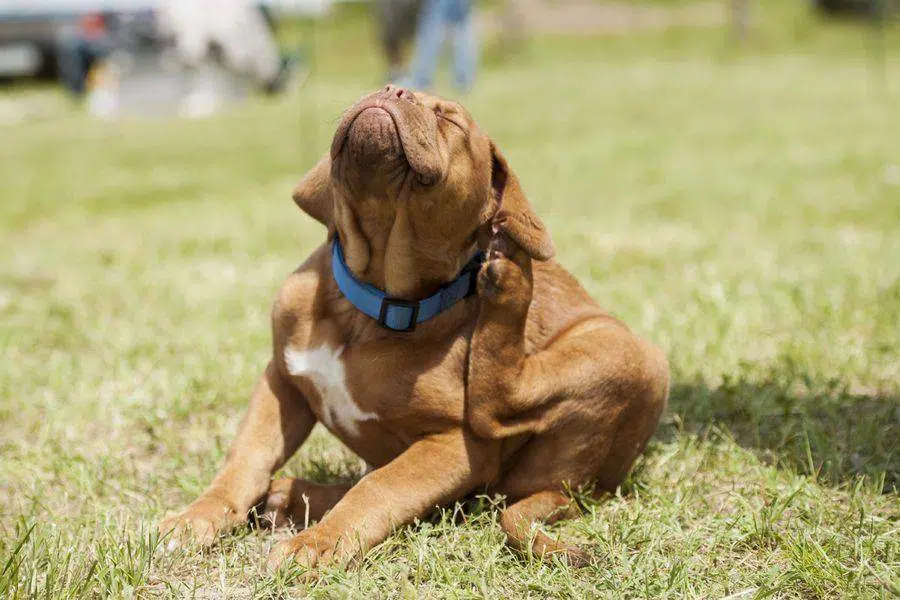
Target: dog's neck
[401, 314]
[401, 272]
[396, 261]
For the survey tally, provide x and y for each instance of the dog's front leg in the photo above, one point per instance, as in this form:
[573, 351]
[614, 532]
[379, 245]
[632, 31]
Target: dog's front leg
[432, 472]
[277, 422]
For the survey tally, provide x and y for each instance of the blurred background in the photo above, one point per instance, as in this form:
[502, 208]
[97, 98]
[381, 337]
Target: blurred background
[722, 174]
[193, 58]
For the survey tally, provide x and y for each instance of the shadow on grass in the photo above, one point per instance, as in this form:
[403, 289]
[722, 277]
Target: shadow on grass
[834, 433]
[826, 429]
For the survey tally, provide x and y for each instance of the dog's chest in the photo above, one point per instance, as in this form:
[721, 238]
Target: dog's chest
[324, 367]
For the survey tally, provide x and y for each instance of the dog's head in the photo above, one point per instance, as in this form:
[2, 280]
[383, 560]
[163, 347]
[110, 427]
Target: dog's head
[411, 186]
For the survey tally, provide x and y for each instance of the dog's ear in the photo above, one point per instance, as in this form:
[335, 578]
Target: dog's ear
[514, 215]
[313, 193]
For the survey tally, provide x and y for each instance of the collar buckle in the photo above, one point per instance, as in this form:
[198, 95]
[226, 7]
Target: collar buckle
[387, 303]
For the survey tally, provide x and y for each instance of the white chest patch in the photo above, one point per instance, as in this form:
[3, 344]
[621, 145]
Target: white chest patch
[325, 368]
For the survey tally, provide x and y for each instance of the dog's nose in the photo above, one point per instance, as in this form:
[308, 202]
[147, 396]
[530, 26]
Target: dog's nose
[399, 92]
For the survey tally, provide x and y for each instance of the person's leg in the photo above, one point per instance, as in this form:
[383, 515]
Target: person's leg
[97, 49]
[465, 45]
[72, 61]
[287, 62]
[387, 15]
[268, 16]
[429, 39]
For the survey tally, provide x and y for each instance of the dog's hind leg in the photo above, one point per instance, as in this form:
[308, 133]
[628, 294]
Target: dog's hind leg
[519, 520]
[586, 403]
[300, 502]
[596, 371]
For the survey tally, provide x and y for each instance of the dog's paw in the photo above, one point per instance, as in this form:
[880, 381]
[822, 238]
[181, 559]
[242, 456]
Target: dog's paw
[577, 558]
[314, 547]
[278, 509]
[505, 278]
[199, 524]
[547, 549]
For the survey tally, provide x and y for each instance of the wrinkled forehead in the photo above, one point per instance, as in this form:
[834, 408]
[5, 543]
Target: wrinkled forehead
[443, 105]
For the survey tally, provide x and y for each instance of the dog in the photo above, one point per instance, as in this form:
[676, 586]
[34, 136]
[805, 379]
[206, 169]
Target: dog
[433, 334]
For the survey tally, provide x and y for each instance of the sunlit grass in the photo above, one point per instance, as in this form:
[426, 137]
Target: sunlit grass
[739, 207]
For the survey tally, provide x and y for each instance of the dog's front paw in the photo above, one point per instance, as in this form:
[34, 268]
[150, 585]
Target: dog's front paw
[314, 547]
[505, 278]
[201, 523]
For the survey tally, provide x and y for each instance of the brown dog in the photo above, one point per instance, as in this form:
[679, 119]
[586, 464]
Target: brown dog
[522, 389]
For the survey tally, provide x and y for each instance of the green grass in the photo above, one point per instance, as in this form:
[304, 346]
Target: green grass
[738, 206]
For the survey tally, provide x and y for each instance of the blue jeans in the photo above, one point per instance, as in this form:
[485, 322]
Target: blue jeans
[437, 17]
[75, 56]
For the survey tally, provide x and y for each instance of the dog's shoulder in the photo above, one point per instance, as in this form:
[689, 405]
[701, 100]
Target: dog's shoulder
[303, 293]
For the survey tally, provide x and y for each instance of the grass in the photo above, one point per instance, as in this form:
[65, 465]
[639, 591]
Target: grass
[738, 206]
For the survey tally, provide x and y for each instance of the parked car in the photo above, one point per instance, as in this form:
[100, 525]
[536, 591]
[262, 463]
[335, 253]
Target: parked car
[31, 30]
[28, 45]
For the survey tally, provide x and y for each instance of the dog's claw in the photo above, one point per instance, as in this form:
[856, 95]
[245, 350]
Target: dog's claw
[303, 556]
[505, 278]
[307, 550]
[277, 556]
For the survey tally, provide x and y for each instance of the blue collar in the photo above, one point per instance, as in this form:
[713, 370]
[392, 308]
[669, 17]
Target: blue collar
[396, 314]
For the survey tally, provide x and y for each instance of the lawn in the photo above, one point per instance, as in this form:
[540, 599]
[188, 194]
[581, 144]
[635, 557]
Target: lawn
[738, 206]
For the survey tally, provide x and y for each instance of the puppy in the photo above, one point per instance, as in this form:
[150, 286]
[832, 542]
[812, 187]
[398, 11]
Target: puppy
[433, 334]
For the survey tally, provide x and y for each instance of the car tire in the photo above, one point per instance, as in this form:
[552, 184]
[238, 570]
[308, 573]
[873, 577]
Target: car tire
[846, 7]
[48, 70]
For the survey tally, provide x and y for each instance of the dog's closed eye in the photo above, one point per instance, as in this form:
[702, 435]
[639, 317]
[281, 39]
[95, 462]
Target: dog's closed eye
[441, 114]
